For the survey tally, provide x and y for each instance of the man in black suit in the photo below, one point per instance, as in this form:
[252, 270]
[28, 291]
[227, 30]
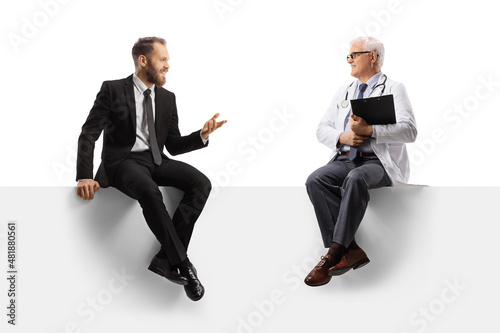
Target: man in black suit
[139, 118]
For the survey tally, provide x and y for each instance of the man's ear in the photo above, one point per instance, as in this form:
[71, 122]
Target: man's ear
[143, 61]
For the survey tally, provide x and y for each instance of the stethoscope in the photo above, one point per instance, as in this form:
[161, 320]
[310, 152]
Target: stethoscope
[345, 102]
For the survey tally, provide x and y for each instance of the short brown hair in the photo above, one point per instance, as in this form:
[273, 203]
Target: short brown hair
[144, 46]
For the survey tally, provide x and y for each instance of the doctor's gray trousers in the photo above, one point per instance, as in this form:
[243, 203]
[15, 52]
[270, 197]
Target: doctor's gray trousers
[339, 215]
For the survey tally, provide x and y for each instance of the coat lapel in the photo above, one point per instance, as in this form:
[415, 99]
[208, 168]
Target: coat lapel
[129, 94]
[350, 95]
[376, 92]
[352, 90]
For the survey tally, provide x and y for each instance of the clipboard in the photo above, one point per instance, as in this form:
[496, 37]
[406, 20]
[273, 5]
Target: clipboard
[375, 110]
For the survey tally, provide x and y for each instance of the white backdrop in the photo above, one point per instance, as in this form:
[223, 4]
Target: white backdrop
[258, 63]
[270, 68]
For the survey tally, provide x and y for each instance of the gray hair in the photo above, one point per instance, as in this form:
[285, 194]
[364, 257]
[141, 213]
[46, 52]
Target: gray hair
[372, 44]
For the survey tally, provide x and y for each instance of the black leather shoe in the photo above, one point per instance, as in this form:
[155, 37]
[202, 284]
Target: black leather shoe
[162, 268]
[194, 289]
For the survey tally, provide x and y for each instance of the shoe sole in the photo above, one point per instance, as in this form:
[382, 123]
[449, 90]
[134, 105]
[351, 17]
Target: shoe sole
[356, 265]
[316, 285]
[157, 271]
[361, 263]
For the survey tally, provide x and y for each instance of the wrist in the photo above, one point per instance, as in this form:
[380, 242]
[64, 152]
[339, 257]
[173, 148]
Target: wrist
[341, 141]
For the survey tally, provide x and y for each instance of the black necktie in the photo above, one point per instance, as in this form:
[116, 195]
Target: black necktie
[353, 151]
[148, 107]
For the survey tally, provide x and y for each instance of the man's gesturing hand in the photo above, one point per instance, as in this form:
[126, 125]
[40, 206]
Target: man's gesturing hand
[211, 125]
[86, 189]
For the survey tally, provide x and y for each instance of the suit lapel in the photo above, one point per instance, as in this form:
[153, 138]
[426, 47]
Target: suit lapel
[129, 94]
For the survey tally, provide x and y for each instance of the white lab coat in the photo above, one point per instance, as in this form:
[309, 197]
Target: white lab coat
[389, 143]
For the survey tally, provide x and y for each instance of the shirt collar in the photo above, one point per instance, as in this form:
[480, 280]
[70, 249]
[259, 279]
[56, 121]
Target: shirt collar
[141, 86]
[372, 81]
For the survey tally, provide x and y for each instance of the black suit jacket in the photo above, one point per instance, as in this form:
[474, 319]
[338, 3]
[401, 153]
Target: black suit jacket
[114, 112]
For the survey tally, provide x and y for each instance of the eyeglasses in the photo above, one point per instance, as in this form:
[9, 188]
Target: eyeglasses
[354, 54]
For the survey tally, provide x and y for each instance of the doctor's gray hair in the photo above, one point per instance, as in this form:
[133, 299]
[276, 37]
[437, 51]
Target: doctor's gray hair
[372, 44]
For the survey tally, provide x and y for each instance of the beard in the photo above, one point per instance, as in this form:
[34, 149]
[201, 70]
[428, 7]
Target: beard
[153, 75]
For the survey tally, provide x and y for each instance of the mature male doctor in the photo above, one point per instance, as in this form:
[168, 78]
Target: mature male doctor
[364, 157]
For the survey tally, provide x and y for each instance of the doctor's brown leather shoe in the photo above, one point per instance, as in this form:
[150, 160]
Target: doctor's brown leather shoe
[319, 274]
[352, 258]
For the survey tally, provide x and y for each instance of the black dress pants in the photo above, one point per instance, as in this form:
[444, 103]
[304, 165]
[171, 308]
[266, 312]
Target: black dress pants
[139, 178]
